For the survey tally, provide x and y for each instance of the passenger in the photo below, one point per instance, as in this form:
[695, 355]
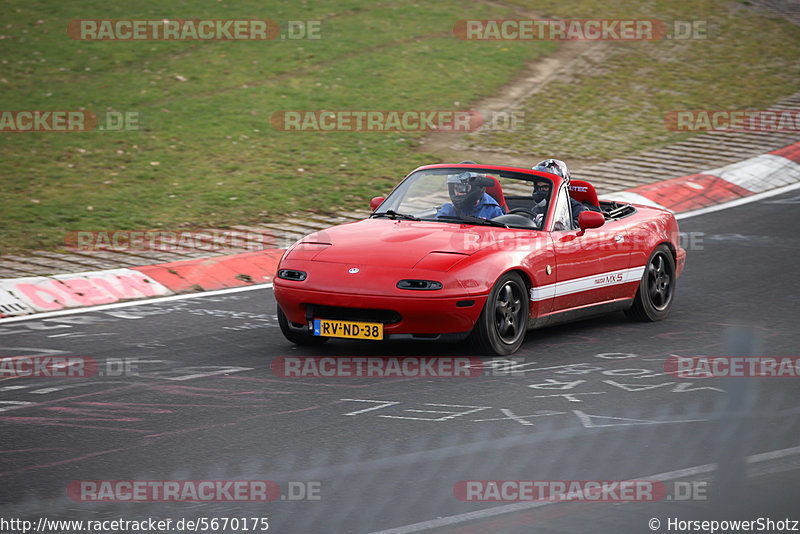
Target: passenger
[559, 168]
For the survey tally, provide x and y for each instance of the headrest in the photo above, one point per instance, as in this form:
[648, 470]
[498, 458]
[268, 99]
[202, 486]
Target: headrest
[496, 191]
[583, 192]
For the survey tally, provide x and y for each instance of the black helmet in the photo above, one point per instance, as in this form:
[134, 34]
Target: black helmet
[541, 189]
[466, 189]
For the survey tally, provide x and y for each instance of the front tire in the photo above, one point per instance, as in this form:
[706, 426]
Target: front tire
[501, 327]
[657, 289]
[295, 335]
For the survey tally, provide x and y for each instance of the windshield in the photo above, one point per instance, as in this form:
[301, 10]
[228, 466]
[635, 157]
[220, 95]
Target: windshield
[471, 195]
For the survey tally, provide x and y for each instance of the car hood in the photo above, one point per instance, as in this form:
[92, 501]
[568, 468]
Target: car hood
[403, 244]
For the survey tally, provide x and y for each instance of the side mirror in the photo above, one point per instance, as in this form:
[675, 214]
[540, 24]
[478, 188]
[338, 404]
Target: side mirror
[375, 202]
[590, 219]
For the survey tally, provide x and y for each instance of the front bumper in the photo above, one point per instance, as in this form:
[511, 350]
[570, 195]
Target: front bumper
[419, 315]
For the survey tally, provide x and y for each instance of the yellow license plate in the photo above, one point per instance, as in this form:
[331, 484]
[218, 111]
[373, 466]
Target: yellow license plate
[347, 329]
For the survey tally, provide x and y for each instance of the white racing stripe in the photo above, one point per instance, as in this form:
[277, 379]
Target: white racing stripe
[587, 283]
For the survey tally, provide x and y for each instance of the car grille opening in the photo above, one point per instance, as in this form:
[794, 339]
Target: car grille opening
[364, 315]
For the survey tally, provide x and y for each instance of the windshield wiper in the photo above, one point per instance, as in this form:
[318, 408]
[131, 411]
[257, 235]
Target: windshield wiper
[394, 215]
[474, 220]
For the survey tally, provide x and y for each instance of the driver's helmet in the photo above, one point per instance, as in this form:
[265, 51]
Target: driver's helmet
[541, 190]
[555, 166]
[465, 189]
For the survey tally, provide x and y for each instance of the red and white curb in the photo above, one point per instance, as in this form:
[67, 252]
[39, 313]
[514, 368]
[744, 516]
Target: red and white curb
[39, 294]
[756, 175]
[22, 296]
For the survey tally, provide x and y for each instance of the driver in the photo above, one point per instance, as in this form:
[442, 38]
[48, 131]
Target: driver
[559, 168]
[541, 195]
[468, 194]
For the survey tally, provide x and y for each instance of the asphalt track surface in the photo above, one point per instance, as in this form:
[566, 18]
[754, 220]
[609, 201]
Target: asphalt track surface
[583, 401]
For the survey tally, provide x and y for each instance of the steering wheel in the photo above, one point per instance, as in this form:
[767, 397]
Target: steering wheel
[526, 211]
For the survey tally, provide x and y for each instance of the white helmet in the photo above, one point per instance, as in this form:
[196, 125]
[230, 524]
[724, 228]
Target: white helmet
[555, 166]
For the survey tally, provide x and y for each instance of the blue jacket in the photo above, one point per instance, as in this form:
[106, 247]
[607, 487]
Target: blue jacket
[487, 208]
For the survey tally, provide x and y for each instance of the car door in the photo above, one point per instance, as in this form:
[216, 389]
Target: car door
[591, 266]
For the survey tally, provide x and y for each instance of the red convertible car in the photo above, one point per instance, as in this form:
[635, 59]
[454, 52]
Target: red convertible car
[482, 252]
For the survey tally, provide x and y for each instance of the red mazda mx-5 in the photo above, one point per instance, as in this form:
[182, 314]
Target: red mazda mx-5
[482, 252]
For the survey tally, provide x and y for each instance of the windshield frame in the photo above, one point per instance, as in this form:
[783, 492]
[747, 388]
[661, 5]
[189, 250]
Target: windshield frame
[393, 201]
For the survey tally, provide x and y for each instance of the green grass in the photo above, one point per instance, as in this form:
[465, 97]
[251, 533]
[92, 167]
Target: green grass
[220, 162]
[748, 61]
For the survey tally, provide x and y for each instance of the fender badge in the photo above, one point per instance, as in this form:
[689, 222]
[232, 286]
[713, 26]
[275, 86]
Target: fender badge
[354, 270]
[548, 270]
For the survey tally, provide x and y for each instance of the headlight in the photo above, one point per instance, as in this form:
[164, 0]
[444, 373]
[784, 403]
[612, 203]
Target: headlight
[291, 274]
[419, 285]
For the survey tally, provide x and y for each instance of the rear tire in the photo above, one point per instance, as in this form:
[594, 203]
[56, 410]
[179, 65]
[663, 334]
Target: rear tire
[501, 327]
[296, 336]
[657, 288]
